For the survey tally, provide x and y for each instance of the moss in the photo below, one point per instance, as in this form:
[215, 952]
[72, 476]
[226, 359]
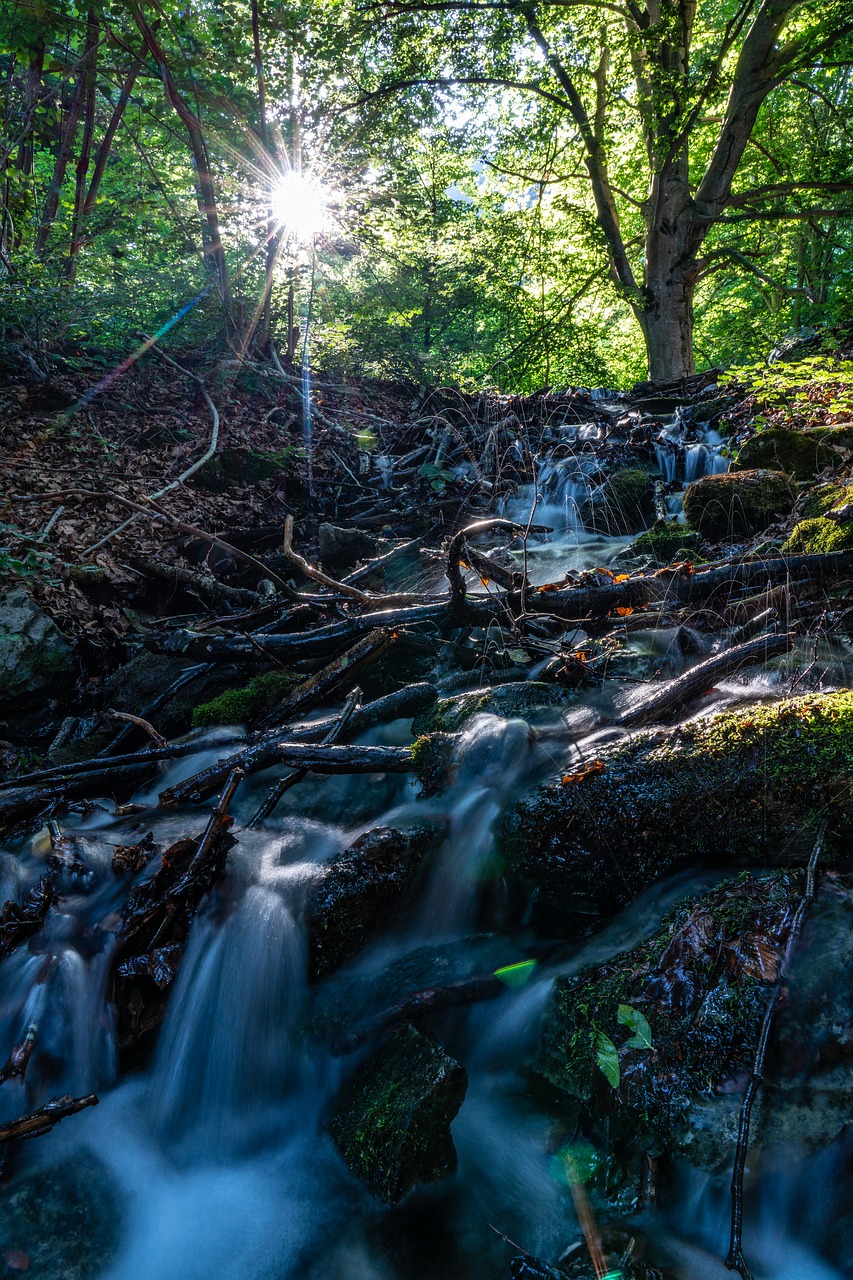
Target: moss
[701, 981]
[432, 757]
[797, 453]
[741, 787]
[238, 706]
[624, 503]
[737, 503]
[517, 698]
[826, 497]
[819, 536]
[667, 540]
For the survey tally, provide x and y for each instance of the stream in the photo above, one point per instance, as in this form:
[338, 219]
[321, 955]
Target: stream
[214, 1160]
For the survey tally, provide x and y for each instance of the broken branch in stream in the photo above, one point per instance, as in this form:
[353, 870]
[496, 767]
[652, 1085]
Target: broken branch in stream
[291, 779]
[343, 668]
[736, 1260]
[430, 1000]
[697, 680]
[267, 750]
[317, 575]
[43, 1120]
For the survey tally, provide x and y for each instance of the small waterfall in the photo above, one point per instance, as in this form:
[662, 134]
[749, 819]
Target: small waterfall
[230, 1045]
[492, 756]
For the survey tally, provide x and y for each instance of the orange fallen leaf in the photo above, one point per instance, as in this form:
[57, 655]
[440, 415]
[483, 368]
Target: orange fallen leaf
[586, 771]
[624, 611]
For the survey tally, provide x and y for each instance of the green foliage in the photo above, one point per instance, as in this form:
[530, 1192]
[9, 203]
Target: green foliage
[607, 1059]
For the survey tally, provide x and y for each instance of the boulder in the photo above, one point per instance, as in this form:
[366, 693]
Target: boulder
[520, 698]
[795, 345]
[641, 1038]
[359, 891]
[62, 1222]
[625, 503]
[737, 503]
[344, 546]
[666, 541]
[740, 788]
[391, 1122]
[828, 523]
[798, 453]
[35, 658]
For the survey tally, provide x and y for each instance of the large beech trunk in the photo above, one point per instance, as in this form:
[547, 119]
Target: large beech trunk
[667, 325]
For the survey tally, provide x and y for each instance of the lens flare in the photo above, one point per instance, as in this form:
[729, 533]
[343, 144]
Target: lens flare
[300, 204]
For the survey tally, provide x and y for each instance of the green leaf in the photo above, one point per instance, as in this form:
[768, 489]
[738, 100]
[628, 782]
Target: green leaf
[515, 975]
[636, 1022]
[607, 1059]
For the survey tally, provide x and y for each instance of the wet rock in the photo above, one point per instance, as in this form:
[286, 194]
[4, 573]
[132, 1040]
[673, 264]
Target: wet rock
[241, 466]
[741, 502]
[797, 453]
[359, 893]
[522, 698]
[391, 1122]
[638, 1040]
[36, 661]
[666, 541]
[738, 788]
[63, 1221]
[344, 546]
[796, 344]
[625, 503]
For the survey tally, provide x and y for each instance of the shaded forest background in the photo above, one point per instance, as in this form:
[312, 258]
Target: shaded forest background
[463, 238]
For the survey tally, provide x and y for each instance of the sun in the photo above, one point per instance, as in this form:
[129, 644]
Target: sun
[300, 204]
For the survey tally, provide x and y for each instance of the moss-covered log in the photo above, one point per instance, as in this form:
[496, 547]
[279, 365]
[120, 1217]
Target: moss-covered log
[743, 787]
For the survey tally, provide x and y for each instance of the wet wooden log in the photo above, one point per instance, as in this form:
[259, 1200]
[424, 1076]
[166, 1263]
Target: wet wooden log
[431, 1000]
[676, 694]
[43, 1120]
[265, 751]
[341, 670]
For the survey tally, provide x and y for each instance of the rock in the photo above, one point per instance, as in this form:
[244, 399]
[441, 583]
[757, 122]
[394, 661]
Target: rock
[667, 541]
[35, 658]
[625, 503]
[359, 892]
[818, 536]
[241, 466]
[391, 1122]
[739, 788]
[796, 344]
[66, 1220]
[344, 546]
[521, 698]
[797, 453]
[741, 502]
[640, 1039]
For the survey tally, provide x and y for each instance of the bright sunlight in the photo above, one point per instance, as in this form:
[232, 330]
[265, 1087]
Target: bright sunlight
[301, 205]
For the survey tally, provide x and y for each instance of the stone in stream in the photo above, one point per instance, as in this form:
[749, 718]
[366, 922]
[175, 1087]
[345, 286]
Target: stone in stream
[391, 1122]
[735, 503]
[625, 503]
[62, 1222]
[798, 453]
[518, 698]
[359, 892]
[740, 788]
[36, 661]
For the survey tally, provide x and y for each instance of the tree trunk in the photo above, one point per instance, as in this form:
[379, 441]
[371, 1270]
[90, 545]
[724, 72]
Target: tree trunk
[667, 325]
[85, 156]
[672, 239]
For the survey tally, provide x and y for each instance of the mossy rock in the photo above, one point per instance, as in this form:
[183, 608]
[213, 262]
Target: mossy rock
[819, 536]
[625, 503]
[826, 497]
[65, 1218]
[636, 1041]
[238, 466]
[737, 503]
[519, 698]
[665, 541]
[840, 437]
[391, 1123]
[239, 706]
[797, 453]
[36, 661]
[743, 787]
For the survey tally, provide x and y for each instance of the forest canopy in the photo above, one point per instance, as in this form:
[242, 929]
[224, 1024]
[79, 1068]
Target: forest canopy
[507, 194]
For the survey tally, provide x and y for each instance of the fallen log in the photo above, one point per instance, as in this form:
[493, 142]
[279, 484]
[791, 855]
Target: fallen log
[265, 751]
[43, 1120]
[675, 694]
[343, 669]
[430, 1000]
[296, 755]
